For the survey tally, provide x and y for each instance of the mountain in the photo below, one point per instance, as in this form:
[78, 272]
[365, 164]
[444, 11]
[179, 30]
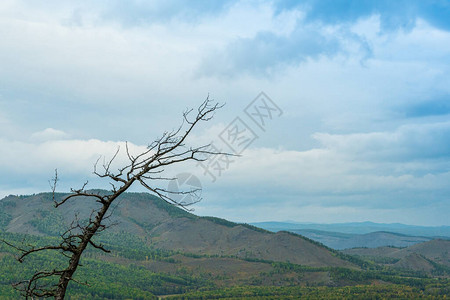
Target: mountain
[166, 227]
[429, 256]
[339, 241]
[360, 228]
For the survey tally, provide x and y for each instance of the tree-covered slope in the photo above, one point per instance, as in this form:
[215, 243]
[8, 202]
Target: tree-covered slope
[165, 226]
[158, 249]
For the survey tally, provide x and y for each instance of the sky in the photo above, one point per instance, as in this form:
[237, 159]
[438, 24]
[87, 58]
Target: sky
[355, 103]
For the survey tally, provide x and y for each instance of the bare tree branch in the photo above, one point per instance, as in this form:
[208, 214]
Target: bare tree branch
[145, 168]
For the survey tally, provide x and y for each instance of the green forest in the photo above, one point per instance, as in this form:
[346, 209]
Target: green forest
[128, 272]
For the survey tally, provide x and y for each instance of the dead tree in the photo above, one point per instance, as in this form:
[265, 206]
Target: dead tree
[144, 168]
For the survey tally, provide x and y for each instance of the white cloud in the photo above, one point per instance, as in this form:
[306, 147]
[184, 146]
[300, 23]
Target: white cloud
[48, 134]
[73, 157]
[408, 142]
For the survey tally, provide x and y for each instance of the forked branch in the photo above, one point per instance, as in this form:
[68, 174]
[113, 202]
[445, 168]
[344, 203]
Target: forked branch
[146, 168]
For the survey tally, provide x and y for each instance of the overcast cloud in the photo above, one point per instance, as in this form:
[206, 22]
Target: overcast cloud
[364, 87]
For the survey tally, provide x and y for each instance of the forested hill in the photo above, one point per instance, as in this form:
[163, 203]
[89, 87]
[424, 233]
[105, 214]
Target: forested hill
[164, 226]
[159, 249]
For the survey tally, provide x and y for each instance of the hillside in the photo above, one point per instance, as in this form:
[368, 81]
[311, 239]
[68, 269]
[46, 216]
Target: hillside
[435, 250]
[427, 256]
[164, 226]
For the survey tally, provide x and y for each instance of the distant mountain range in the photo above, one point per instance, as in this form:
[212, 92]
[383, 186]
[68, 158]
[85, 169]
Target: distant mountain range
[360, 228]
[366, 234]
[339, 241]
